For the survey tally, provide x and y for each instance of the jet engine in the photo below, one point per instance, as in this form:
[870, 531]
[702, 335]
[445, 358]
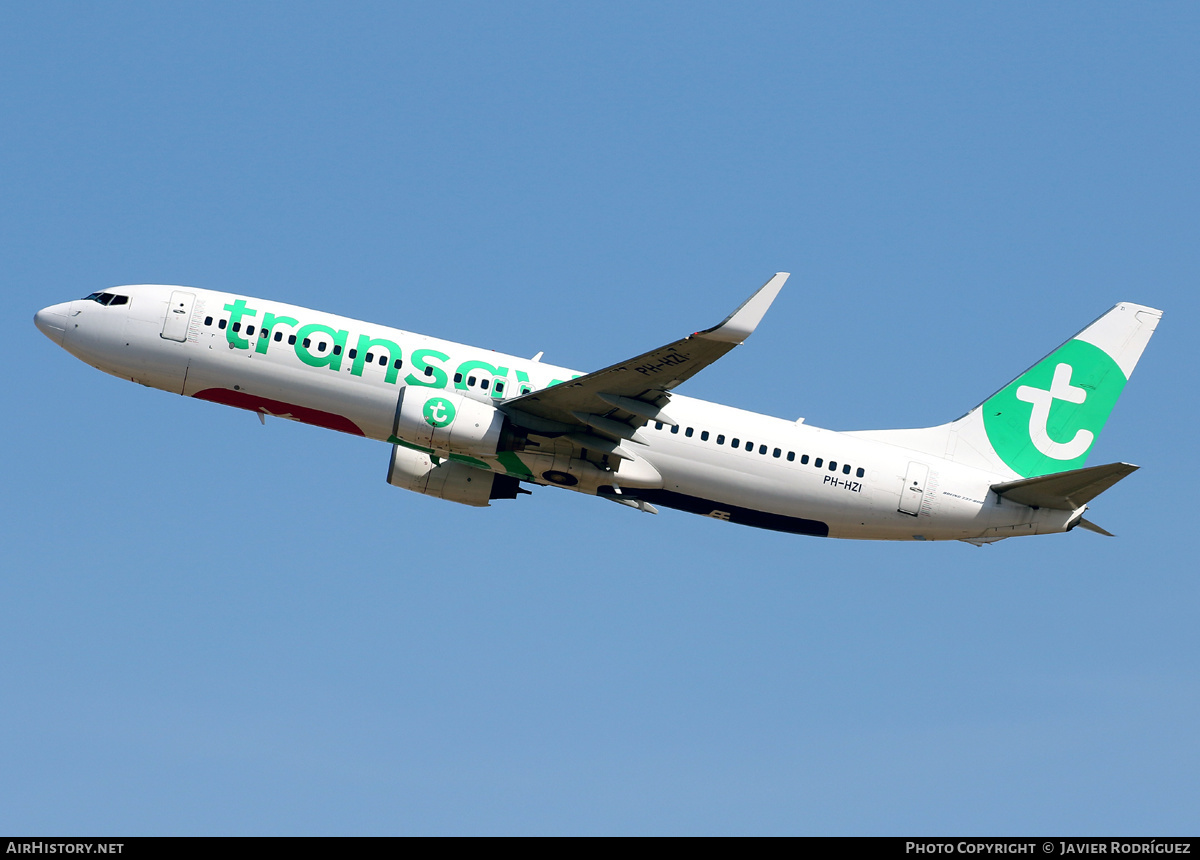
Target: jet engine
[444, 421]
[455, 482]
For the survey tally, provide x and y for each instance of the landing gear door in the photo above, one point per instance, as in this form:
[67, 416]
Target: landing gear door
[913, 491]
[179, 314]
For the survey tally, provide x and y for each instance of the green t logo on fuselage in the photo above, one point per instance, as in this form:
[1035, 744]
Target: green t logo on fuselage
[1046, 420]
[438, 411]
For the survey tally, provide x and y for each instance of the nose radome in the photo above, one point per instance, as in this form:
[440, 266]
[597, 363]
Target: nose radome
[52, 321]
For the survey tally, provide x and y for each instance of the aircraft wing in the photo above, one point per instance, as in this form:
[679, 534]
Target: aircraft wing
[637, 390]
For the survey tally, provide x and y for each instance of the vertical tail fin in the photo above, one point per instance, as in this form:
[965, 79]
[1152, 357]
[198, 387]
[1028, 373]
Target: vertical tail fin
[1047, 419]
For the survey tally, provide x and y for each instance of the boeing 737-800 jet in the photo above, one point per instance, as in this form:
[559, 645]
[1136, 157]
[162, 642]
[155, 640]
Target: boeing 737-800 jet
[470, 425]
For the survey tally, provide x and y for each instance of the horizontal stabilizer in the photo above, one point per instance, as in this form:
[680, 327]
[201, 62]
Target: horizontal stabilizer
[1064, 491]
[1092, 527]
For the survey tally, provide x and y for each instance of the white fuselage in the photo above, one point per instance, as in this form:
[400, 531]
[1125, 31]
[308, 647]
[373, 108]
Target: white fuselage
[314, 367]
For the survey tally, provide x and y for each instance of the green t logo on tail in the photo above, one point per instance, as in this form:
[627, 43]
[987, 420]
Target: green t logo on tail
[438, 411]
[1046, 420]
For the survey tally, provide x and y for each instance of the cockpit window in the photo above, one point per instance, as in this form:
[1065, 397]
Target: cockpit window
[107, 299]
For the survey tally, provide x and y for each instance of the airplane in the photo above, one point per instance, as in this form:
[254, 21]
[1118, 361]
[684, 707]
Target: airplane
[473, 426]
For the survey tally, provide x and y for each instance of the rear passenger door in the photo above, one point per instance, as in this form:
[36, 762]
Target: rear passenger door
[913, 491]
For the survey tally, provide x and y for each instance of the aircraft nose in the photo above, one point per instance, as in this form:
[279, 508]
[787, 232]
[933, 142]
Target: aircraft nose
[52, 321]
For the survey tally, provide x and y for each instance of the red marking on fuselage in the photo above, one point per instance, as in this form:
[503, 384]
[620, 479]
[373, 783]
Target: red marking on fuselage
[254, 403]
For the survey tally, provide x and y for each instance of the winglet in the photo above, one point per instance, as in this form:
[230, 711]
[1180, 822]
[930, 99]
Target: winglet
[740, 324]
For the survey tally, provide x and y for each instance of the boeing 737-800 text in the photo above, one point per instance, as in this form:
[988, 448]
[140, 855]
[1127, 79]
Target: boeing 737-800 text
[470, 425]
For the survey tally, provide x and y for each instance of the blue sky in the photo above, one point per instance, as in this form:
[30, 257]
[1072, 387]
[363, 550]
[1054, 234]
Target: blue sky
[215, 627]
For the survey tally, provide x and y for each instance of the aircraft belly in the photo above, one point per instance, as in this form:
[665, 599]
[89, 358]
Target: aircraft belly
[735, 513]
[775, 501]
[315, 396]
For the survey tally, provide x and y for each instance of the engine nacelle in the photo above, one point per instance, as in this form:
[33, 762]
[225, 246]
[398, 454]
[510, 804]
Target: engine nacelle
[444, 421]
[455, 482]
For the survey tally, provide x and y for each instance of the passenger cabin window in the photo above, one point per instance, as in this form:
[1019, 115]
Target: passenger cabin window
[383, 360]
[222, 324]
[860, 472]
[208, 320]
[804, 460]
[525, 389]
[471, 381]
[249, 330]
[675, 428]
[833, 465]
[292, 340]
[499, 387]
[483, 383]
[762, 449]
[237, 326]
[703, 435]
[688, 432]
[397, 363]
[749, 446]
[457, 378]
[278, 336]
[777, 453]
[818, 462]
[736, 443]
[337, 349]
[429, 370]
[658, 425]
[720, 438]
[307, 342]
[846, 469]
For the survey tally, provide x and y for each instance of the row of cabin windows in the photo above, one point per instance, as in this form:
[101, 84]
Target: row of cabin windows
[735, 442]
[321, 345]
[483, 382]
